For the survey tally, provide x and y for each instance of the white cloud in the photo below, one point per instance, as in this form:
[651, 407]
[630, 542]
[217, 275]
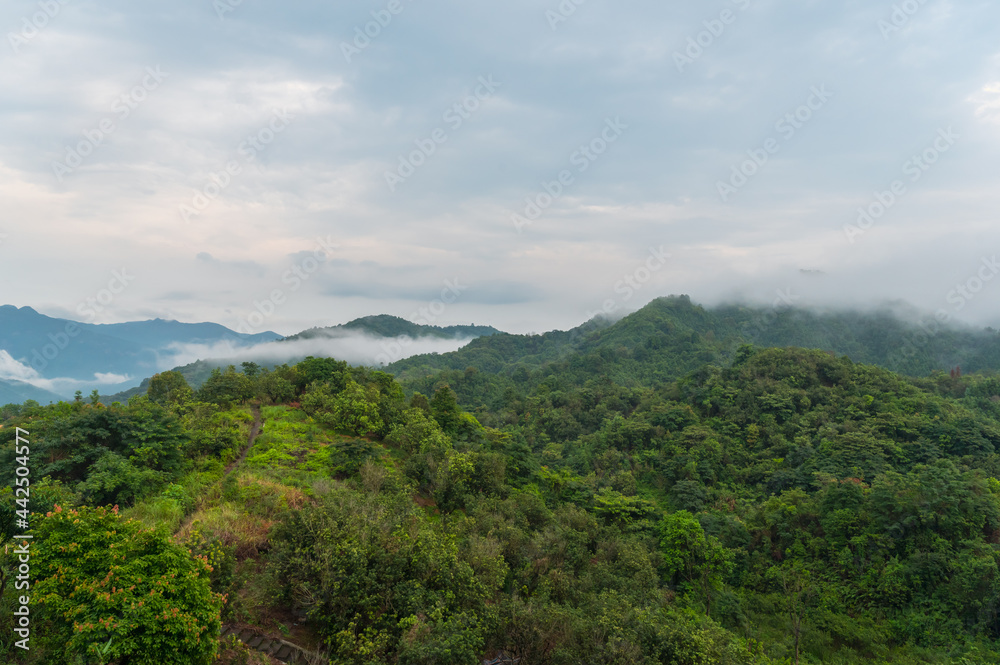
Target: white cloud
[987, 102]
[110, 379]
[325, 174]
[356, 349]
[11, 369]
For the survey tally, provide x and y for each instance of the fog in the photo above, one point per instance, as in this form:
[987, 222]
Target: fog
[355, 348]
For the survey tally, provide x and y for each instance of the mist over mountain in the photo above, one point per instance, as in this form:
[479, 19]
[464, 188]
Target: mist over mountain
[372, 341]
[384, 325]
[57, 357]
[671, 423]
[17, 392]
[672, 336]
[47, 357]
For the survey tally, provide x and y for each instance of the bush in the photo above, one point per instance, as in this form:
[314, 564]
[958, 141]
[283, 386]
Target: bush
[109, 589]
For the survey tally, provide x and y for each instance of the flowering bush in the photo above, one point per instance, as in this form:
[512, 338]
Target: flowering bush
[110, 589]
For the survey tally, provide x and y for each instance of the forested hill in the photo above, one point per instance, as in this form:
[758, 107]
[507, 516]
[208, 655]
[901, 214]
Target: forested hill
[380, 326]
[384, 325]
[792, 507]
[672, 336]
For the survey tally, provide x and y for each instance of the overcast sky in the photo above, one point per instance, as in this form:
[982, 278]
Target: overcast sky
[116, 115]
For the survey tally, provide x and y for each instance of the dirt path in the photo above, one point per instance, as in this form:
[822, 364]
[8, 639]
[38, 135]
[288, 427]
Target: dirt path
[258, 423]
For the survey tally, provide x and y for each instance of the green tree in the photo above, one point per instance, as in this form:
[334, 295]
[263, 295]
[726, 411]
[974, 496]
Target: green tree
[109, 590]
[274, 388]
[226, 388]
[694, 560]
[444, 408]
[797, 588]
[355, 409]
[168, 388]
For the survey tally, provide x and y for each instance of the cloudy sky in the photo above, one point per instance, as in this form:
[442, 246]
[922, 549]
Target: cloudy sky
[233, 157]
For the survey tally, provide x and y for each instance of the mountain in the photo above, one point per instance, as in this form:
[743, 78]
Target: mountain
[792, 502]
[159, 333]
[665, 340]
[312, 342]
[671, 337]
[61, 348]
[18, 392]
[80, 356]
[384, 325]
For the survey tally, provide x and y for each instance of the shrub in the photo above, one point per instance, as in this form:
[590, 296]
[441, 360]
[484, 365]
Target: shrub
[109, 589]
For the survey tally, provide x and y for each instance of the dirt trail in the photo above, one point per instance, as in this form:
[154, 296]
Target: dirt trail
[258, 424]
[254, 433]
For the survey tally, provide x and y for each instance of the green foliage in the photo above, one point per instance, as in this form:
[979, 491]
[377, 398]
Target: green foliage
[444, 409]
[694, 561]
[274, 388]
[602, 495]
[382, 583]
[354, 409]
[322, 371]
[227, 388]
[169, 388]
[109, 590]
[111, 455]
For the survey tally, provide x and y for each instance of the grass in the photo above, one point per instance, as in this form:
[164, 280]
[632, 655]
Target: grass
[290, 440]
[292, 460]
[234, 527]
[159, 512]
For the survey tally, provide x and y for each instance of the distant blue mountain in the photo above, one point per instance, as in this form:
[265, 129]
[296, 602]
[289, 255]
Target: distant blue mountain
[16, 392]
[63, 349]
[159, 333]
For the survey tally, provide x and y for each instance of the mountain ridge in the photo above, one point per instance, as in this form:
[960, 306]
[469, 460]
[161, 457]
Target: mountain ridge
[82, 355]
[387, 325]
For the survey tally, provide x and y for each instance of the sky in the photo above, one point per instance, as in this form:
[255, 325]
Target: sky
[525, 164]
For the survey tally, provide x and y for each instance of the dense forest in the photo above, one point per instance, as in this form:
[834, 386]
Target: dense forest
[656, 490]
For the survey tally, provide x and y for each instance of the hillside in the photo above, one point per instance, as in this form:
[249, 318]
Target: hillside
[671, 337]
[792, 505]
[654, 490]
[383, 325]
[160, 333]
[375, 327]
